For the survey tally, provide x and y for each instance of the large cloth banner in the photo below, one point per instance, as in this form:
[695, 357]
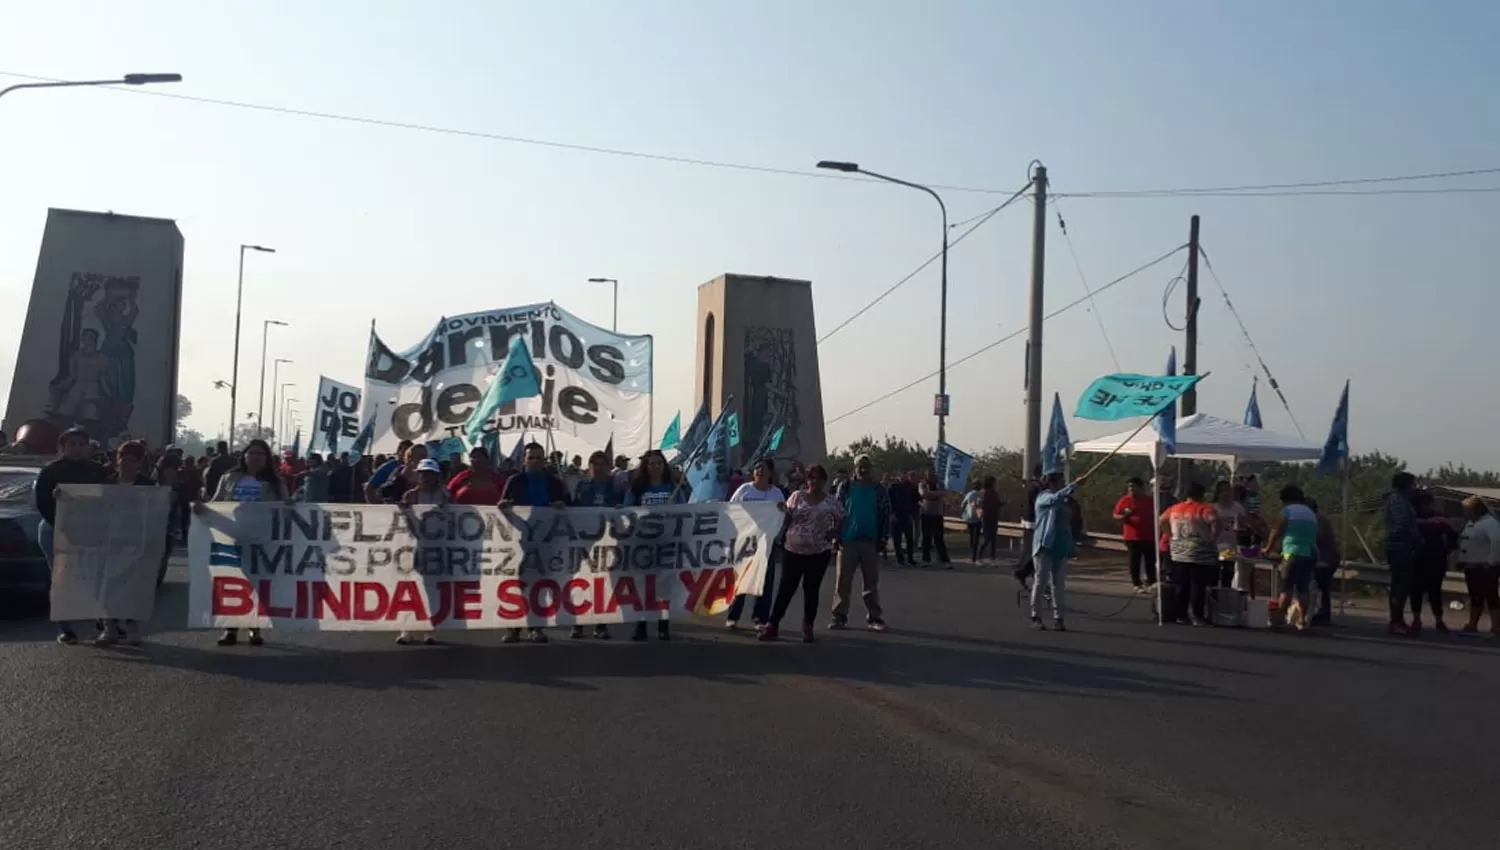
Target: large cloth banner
[595, 383]
[384, 567]
[109, 542]
[335, 417]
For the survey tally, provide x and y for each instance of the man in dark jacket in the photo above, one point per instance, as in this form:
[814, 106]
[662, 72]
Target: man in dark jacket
[536, 486]
[905, 503]
[73, 466]
[223, 462]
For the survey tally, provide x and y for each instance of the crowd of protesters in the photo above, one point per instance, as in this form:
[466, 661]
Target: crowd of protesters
[1198, 543]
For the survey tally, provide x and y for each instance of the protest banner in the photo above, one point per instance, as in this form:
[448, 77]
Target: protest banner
[335, 417]
[593, 382]
[108, 542]
[384, 567]
[951, 467]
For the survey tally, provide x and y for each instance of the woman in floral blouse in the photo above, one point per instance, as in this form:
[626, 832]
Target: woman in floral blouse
[813, 521]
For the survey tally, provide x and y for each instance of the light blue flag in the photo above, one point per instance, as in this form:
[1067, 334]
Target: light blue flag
[450, 448]
[770, 441]
[776, 439]
[951, 467]
[1166, 421]
[1059, 444]
[515, 380]
[1252, 408]
[673, 436]
[491, 444]
[1336, 447]
[1115, 397]
[518, 451]
[707, 472]
[733, 423]
[697, 430]
[362, 441]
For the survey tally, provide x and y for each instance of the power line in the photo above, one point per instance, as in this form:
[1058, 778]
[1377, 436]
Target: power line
[1093, 307]
[1267, 190]
[1007, 338]
[1270, 379]
[982, 220]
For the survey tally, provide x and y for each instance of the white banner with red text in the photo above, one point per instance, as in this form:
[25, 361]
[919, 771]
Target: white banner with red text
[384, 567]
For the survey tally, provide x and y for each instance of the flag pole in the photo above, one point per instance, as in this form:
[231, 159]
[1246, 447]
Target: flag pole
[1116, 450]
[1344, 540]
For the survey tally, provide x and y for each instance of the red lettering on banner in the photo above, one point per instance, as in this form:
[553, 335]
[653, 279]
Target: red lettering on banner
[263, 600]
[466, 600]
[304, 590]
[406, 600]
[330, 599]
[625, 594]
[722, 588]
[231, 597]
[696, 583]
[652, 602]
[364, 609]
[553, 598]
[569, 604]
[512, 600]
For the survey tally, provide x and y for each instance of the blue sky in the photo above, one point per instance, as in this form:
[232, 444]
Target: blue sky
[404, 226]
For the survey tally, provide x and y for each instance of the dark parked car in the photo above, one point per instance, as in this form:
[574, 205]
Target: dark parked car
[23, 569]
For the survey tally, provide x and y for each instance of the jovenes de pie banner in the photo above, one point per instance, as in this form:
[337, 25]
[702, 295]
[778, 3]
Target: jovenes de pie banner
[384, 567]
[596, 384]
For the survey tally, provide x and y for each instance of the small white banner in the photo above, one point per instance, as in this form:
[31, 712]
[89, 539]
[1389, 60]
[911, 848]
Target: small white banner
[108, 544]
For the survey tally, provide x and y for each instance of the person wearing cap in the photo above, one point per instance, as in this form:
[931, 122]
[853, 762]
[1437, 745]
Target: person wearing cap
[867, 510]
[429, 491]
[72, 466]
[622, 474]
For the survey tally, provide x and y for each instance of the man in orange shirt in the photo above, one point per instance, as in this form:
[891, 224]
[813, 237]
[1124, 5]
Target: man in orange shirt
[1133, 512]
[1194, 525]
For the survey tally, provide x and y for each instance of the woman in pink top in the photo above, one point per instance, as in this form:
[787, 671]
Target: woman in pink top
[813, 521]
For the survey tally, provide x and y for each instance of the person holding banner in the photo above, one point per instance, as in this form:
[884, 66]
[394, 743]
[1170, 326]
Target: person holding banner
[760, 488]
[535, 487]
[480, 484]
[383, 473]
[253, 479]
[73, 466]
[652, 485]
[814, 521]
[597, 491]
[130, 470]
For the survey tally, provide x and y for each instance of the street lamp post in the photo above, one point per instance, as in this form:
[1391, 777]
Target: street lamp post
[265, 329]
[234, 379]
[275, 379]
[286, 406]
[941, 408]
[614, 323]
[127, 80]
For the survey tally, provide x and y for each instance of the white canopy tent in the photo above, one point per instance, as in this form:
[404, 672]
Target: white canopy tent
[1204, 437]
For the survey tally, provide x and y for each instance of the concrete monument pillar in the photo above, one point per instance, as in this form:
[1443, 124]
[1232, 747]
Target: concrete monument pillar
[757, 342]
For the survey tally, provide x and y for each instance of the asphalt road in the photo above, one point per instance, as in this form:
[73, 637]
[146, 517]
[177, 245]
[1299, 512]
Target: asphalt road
[961, 728]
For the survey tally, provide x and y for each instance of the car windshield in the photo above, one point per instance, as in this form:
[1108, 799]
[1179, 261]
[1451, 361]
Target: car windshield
[16, 484]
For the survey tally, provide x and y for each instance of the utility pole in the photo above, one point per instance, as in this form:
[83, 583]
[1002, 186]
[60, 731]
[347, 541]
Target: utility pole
[1033, 448]
[1190, 348]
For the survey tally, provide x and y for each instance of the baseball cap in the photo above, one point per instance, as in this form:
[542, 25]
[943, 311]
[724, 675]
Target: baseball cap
[428, 465]
[859, 459]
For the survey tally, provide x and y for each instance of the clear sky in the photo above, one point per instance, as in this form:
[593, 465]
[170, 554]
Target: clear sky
[1396, 292]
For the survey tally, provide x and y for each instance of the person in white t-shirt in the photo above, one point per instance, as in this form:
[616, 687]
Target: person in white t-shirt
[1479, 556]
[760, 488]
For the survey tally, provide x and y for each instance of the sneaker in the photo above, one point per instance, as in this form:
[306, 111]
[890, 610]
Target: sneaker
[731, 625]
[429, 640]
[133, 636]
[575, 633]
[1036, 623]
[808, 633]
[67, 638]
[663, 630]
[256, 639]
[1199, 622]
[105, 638]
[536, 636]
[1139, 588]
[876, 625]
[639, 633]
[1469, 629]
[230, 637]
[1415, 629]
[769, 633]
[511, 636]
[1440, 627]
[1396, 629]
[837, 625]
[601, 632]
[403, 639]
[1058, 626]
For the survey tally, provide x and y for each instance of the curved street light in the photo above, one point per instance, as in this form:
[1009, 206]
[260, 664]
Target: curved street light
[127, 80]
